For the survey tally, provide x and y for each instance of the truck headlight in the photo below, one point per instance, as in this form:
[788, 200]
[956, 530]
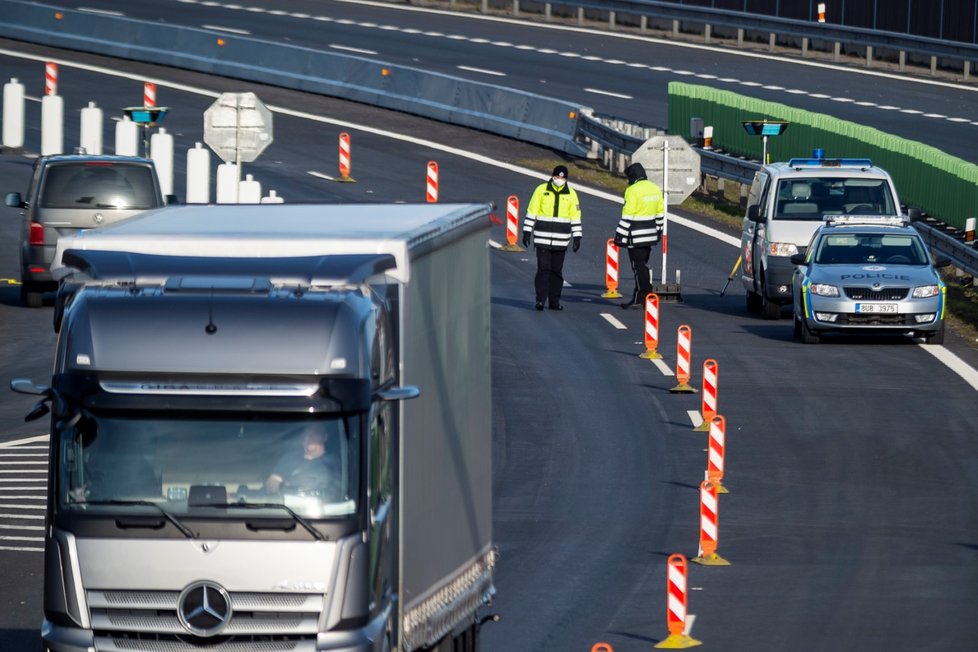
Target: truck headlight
[782, 249]
[823, 290]
[925, 291]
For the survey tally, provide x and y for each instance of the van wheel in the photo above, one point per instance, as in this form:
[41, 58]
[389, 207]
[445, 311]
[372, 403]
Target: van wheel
[30, 297]
[769, 309]
[753, 301]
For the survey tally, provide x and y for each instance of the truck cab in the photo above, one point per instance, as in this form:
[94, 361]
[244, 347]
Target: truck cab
[788, 202]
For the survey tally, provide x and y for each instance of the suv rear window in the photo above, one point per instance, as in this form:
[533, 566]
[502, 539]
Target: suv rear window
[98, 186]
[813, 198]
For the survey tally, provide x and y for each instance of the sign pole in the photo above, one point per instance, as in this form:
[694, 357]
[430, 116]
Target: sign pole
[665, 206]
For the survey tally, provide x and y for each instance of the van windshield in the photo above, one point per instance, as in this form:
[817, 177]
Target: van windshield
[813, 198]
[189, 465]
[102, 185]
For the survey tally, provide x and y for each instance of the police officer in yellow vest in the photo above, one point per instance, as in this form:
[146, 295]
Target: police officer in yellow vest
[639, 228]
[553, 217]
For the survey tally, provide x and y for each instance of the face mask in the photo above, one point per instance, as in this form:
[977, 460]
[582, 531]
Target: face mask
[558, 181]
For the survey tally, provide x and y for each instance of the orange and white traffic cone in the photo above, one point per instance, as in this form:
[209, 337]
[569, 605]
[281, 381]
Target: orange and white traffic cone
[676, 606]
[684, 344]
[651, 327]
[710, 381]
[611, 271]
[512, 224]
[716, 453]
[431, 185]
[344, 158]
[709, 527]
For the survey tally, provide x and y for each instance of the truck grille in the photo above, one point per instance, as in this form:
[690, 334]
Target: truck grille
[147, 620]
[869, 294]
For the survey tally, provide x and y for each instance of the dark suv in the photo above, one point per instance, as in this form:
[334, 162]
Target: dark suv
[70, 193]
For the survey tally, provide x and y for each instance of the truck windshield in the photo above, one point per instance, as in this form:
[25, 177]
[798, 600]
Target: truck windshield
[813, 198]
[187, 466]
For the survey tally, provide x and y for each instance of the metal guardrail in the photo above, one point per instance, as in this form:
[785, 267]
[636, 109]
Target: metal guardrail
[950, 244]
[772, 25]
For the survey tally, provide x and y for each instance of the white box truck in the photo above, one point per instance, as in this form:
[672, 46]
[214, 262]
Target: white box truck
[234, 461]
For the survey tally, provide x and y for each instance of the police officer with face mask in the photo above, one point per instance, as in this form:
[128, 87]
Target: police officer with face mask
[553, 218]
[641, 223]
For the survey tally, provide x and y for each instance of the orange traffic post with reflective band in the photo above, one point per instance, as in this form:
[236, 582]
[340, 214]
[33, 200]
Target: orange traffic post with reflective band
[676, 606]
[709, 527]
[611, 271]
[709, 406]
[715, 454]
[684, 345]
[602, 647]
[821, 12]
[344, 158]
[149, 94]
[512, 224]
[651, 327]
[50, 78]
[431, 185]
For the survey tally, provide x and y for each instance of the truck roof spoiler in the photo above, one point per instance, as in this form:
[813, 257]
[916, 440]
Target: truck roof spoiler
[125, 267]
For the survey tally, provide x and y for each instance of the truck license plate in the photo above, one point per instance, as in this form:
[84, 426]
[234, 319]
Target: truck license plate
[883, 308]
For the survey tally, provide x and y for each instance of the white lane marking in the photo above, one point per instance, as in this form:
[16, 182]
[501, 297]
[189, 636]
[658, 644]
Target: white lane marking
[482, 71]
[613, 321]
[4, 537]
[597, 91]
[104, 12]
[663, 367]
[27, 463]
[347, 48]
[39, 517]
[954, 363]
[25, 497]
[12, 506]
[690, 619]
[21, 549]
[26, 440]
[229, 30]
[24, 471]
[695, 418]
[22, 527]
[23, 454]
[320, 175]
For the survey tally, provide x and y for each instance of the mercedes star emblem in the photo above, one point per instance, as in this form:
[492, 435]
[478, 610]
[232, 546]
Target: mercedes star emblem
[204, 609]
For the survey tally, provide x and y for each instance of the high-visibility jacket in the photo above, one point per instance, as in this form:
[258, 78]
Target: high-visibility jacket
[642, 216]
[553, 216]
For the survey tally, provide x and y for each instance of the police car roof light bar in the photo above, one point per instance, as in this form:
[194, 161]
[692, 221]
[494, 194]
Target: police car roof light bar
[830, 162]
[867, 220]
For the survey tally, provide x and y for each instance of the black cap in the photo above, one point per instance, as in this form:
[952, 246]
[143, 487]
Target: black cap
[634, 172]
[560, 171]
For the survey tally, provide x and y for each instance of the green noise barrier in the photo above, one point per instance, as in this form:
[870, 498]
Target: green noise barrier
[942, 185]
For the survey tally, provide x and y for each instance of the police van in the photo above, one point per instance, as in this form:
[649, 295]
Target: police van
[788, 202]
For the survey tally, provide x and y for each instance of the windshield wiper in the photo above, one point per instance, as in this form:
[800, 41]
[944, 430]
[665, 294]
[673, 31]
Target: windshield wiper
[167, 515]
[298, 519]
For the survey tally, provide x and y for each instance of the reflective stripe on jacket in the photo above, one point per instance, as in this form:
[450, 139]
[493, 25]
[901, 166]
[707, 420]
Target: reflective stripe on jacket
[643, 214]
[553, 216]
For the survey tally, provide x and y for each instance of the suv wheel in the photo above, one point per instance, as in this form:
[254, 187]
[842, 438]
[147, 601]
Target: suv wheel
[936, 337]
[807, 336]
[30, 296]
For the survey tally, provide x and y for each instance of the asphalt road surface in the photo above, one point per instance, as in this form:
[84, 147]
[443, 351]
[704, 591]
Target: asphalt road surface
[852, 467]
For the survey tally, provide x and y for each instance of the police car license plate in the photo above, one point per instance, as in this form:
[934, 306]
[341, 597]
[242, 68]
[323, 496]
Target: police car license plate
[881, 308]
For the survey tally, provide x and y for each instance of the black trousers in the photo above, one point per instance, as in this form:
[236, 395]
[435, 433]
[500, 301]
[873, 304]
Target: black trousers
[639, 257]
[549, 280]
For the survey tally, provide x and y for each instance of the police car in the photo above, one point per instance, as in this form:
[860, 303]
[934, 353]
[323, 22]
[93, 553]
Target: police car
[867, 274]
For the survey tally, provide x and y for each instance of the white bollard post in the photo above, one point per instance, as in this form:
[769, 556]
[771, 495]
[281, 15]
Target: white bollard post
[227, 183]
[250, 191]
[52, 125]
[91, 129]
[272, 198]
[161, 151]
[13, 114]
[126, 137]
[198, 175]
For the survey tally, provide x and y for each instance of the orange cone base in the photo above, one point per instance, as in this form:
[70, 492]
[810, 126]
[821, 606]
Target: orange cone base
[713, 559]
[651, 355]
[345, 179]
[678, 642]
[611, 294]
[685, 388]
[511, 247]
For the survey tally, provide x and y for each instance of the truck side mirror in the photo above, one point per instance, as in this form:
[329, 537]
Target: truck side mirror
[914, 214]
[754, 213]
[399, 393]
